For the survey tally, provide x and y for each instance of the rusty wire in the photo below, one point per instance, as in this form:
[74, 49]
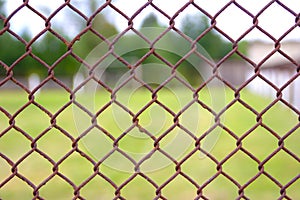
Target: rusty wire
[199, 187]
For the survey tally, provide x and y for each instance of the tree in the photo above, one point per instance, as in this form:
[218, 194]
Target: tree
[90, 40]
[49, 48]
[150, 21]
[10, 48]
[212, 42]
[166, 47]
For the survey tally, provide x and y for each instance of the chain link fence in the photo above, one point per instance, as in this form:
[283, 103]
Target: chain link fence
[144, 130]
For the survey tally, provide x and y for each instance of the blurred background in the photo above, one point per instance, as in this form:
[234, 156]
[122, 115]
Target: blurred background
[252, 45]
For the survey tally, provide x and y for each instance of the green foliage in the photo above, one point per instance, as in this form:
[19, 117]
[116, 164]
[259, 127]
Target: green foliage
[102, 26]
[90, 39]
[48, 48]
[212, 42]
[10, 50]
[150, 21]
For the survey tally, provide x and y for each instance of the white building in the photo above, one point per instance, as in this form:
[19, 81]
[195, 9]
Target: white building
[279, 67]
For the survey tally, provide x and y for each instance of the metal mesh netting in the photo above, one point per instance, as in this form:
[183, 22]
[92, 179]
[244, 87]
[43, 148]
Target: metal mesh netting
[135, 137]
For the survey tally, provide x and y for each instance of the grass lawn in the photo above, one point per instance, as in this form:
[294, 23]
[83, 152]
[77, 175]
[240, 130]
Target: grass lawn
[55, 143]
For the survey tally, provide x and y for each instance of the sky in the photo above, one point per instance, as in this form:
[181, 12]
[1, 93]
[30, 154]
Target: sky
[234, 22]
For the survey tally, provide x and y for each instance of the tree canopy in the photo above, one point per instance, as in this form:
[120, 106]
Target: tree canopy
[49, 48]
[215, 45]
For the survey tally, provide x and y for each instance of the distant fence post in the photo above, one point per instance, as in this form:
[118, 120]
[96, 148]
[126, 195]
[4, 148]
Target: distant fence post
[33, 82]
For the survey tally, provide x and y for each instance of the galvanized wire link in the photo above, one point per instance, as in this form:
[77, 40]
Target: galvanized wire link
[94, 166]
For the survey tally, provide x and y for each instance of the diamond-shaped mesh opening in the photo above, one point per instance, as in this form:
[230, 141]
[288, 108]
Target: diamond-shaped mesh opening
[149, 100]
[219, 42]
[122, 160]
[35, 67]
[17, 49]
[171, 139]
[288, 70]
[31, 127]
[11, 190]
[14, 145]
[152, 124]
[260, 143]
[240, 160]
[136, 99]
[67, 66]
[257, 102]
[179, 183]
[267, 24]
[238, 113]
[201, 169]
[135, 142]
[89, 40]
[261, 51]
[108, 119]
[263, 90]
[135, 43]
[66, 119]
[236, 15]
[158, 171]
[51, 150]
[95, 143]
[149, 17]
[201, 120]
[220, 150]
[114, 73]
[111, 14]
[214, 99]
[91, 96]
[142, 189]
[18, 18]
[114, 176]
[75, 23]
[44, 98]
[37, 163]
[52, 44]
[97, 187]
[279, 161]
[235, 62]
[56, 187]
[226, 189]
[274, 120]
[262, 187]
[102, 27]
[75, 173]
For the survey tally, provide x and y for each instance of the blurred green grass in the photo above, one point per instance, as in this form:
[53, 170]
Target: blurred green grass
[261, 143]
